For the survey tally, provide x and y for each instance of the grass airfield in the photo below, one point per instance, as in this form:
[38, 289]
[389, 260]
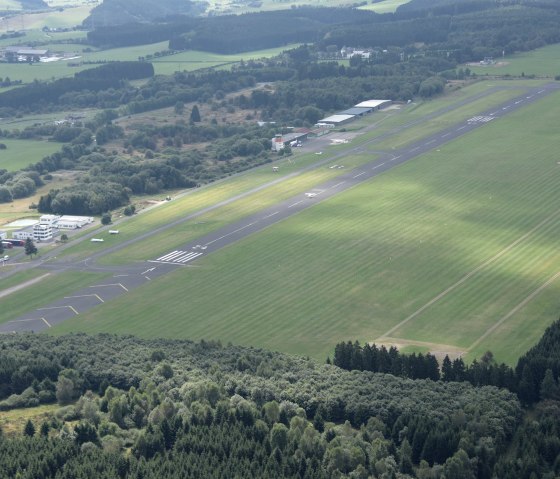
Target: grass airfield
[484, 207]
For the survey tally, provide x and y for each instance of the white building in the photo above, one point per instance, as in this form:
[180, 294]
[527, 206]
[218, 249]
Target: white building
[42, 232]
[374, 104]
[22, 235]
[3, 235]
[337, 119]
[48, 219]
[72, 222]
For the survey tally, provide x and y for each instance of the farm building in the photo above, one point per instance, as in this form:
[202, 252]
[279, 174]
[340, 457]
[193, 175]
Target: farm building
[374, 104]
[23, 54]
[73, 222]
[337, 120]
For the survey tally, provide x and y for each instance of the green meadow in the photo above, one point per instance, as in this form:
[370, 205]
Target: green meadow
[544, 61]
[20, 153]
[478, 219]
[385, 6]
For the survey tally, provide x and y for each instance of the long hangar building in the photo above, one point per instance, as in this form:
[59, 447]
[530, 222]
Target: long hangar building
[361, 109]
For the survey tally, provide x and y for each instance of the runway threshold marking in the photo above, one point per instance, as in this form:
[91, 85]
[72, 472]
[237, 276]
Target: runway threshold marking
[85, 296]
[110, 284]
[60, 307]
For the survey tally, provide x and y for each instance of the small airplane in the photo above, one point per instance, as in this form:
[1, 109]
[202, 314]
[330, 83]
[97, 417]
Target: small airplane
[311, 195]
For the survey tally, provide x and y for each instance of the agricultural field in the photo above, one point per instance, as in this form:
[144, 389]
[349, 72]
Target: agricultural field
[239, 6]
[471, 228]
[67, 18]
[21, 153]
[544, 61]
[166, 65]
[385, 6]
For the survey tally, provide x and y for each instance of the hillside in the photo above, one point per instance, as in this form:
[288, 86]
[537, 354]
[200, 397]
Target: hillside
[118, 12]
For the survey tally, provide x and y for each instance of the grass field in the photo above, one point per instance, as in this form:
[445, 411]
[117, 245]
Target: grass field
[44, 292]
[358, 264]
[544, 61]
[68, 18]
[211, 194]
[20, 153]
[385, 6]
[185, 61]
[13, 422]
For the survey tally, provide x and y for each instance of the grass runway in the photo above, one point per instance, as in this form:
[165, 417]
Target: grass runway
[356, 265]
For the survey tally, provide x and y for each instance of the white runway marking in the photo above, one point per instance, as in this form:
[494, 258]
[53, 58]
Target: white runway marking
[295, 204]
[540, 91]
[233, 232]
[505, 107]
[446, 134]
[429, 142]
[359, 174]
[461, 127]
[177, 257]
[397, 157]
[518, 102]
[337, 185]
[85, 296]
[59, 307]
[480, 119]
[111, 284]
[272, 214]
[415, 148]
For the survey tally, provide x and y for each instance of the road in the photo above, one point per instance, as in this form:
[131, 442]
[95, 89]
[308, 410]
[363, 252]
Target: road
[126, 278]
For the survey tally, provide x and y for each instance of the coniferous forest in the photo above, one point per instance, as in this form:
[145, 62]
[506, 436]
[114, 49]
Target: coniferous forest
[132, 408]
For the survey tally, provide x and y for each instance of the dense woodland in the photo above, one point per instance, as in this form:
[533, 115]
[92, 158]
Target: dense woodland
[188, 409]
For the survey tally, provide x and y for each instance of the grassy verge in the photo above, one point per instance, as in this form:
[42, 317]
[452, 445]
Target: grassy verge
[38, 295]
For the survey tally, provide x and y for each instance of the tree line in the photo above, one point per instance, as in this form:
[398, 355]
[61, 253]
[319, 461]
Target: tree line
[534, 378]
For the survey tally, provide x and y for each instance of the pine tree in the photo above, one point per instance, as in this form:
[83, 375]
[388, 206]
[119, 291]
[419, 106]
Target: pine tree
[549, 386]
[195, 114]
[29, 429]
